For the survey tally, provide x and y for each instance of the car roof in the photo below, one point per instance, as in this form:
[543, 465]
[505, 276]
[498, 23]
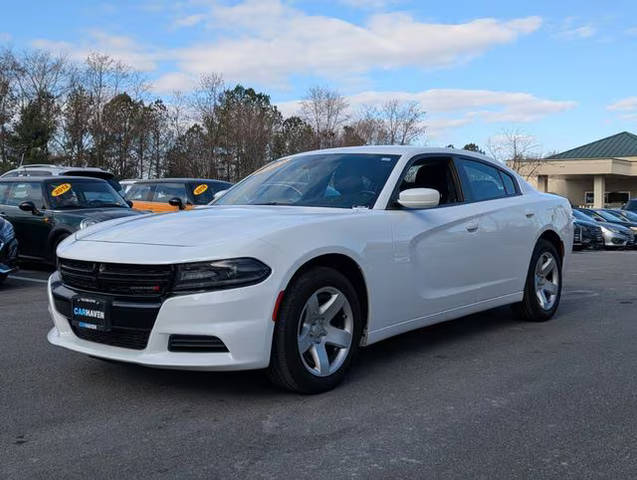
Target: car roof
[53, 178]
[400, 150]
[178, 180]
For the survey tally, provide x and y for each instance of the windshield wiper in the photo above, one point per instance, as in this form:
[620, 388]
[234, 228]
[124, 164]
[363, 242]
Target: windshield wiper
[271, 203]
[111, 205]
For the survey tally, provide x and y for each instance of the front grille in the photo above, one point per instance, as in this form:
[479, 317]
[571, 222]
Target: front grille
[117, 337]
[195, 343]
[117, 278]
[597, 234]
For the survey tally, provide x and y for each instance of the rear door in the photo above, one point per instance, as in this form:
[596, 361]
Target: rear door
[506, 227]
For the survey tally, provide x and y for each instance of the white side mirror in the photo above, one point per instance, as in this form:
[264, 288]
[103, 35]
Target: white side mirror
[219, 194]
[419, 198]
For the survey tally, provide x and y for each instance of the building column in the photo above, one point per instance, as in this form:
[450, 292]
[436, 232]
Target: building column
[543, 183]
[599, 187]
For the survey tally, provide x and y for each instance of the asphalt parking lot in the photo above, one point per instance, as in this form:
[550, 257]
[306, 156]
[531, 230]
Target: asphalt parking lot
[485, 396]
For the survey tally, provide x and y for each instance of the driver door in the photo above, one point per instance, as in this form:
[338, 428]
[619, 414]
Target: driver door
[434, 248]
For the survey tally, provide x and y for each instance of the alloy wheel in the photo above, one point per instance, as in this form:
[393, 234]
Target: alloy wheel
[547, 280]
[325, 331]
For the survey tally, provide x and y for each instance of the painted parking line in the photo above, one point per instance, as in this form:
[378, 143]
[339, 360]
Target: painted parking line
[27, 279]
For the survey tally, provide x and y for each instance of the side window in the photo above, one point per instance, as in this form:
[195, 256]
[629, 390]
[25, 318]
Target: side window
[139, 191]
[509, 183]
[483, 181]
[4, 191]
[436, 173]
[166, 191]
[27, 191]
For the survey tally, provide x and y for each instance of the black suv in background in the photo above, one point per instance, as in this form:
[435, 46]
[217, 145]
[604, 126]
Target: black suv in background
[48, 170]
[44, 211]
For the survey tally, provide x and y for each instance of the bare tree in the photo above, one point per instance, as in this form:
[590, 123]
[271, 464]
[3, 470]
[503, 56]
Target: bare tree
[393, 123]
[402, 121]
[518, 150]
[324, 110]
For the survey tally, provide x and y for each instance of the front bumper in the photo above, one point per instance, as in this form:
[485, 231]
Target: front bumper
[240, 317]
[612, 239]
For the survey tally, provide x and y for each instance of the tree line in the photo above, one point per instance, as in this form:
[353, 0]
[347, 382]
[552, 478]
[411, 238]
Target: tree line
[101, 113]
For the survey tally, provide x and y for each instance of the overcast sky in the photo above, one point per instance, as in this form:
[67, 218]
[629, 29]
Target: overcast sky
[562, 71]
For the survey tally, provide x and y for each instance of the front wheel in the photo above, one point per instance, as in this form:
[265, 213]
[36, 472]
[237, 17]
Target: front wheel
[317, 332]
[543, 288]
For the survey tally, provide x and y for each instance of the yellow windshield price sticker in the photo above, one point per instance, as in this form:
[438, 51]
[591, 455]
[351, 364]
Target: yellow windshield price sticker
[61, 189]
[200, 189]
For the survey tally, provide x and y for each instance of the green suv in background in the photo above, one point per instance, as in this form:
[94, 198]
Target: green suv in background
[44, 211]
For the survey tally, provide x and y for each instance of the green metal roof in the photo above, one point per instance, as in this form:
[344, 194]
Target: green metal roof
[623, 144]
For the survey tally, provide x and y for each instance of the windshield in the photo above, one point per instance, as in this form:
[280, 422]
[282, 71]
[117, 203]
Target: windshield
[71, 194]
[632, 217]
[326, 180]
[609, 216]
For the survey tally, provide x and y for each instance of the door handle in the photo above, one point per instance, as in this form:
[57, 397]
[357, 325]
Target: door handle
[472, 227]
[529, 214]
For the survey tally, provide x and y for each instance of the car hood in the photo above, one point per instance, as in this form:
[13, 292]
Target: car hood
[207, 226]
[592, 223]
[100, 214]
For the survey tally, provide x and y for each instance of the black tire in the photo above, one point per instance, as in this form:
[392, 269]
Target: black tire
[2, 279]
[286, 367]
[530, 308]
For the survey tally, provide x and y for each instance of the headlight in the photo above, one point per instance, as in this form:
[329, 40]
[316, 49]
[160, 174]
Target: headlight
[87, 222]
[611, 229]
[634, 229]
[220, 274]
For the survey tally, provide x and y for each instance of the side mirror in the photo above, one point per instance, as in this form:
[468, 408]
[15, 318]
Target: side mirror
[129, 203]
[219, 194]
[28, 207]
[176, 202]
[419, 198]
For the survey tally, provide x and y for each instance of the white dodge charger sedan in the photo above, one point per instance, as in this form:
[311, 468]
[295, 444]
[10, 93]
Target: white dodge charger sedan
[308, 259]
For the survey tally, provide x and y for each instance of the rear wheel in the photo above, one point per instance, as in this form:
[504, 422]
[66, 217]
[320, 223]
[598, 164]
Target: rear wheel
[543, 288]
[317, 332]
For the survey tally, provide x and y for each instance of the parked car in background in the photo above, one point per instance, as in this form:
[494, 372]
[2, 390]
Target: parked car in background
[631, 205]
[310, 257]
[610, 214]
[127, 184]
[46, 210]
[172, 194]
[8, 249]
[586, 232]
[48, 170]
[628, 215]
[615, 234]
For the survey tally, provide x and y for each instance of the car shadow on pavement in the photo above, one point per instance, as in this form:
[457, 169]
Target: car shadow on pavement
[390, 353]
[435, 338]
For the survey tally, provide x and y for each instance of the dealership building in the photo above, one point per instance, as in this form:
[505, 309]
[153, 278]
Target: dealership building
[599, 174]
